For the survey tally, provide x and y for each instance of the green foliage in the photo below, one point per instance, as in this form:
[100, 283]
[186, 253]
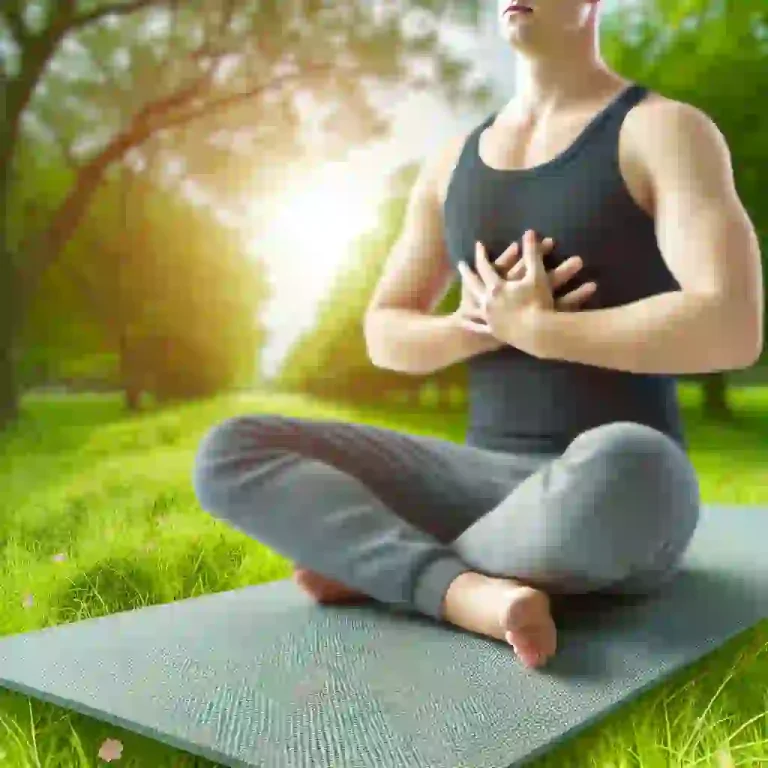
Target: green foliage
[218, 91]
[159, 284]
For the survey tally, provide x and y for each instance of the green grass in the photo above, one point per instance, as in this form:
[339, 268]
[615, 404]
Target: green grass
[97, 515]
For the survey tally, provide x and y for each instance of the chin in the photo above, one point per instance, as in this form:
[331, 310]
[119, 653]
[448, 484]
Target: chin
[517, 41]
[517, 36]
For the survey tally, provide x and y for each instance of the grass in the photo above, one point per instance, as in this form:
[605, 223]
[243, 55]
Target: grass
[97, 515]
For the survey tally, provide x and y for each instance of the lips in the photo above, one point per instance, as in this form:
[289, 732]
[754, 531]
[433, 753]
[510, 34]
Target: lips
[518, 7]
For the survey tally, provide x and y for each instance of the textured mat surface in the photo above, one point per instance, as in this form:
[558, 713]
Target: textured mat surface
[262, 677]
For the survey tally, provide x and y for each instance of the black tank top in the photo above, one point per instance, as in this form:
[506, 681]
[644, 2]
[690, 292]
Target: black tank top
[520, 402]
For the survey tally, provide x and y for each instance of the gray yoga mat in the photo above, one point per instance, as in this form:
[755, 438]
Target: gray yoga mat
[263, 677]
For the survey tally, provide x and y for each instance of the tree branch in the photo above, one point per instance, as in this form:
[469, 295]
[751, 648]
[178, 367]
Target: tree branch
[67, 217]
[115, 9]
[232, 99]
[47, 246]
[160, 106]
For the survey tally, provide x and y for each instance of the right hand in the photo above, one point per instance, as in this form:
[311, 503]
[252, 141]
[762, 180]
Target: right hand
[511, 267]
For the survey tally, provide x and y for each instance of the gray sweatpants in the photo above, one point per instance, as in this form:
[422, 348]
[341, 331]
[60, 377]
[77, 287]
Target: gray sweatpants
[399, 516]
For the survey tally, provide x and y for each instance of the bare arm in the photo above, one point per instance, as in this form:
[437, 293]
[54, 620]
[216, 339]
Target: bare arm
[410, 341]
[715, 322]
[401, 332]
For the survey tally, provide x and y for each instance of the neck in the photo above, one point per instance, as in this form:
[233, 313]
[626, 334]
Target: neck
[562, 73]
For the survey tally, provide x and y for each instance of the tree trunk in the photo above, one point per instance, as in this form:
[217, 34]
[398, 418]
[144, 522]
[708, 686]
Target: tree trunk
[9, 394]
[715, 404]
[128, 378]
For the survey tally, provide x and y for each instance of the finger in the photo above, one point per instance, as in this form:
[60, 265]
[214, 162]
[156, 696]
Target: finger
[573, 300]
[472, 281]
[517, 272]
[561, 274]
[532, 257]
[483, 265]
[508, 258]
[516, 267]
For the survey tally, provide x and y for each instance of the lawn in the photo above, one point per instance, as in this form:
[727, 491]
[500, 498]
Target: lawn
[98, 516]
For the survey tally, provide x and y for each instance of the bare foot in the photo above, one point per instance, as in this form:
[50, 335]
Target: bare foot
[324, 590]
[506, 610]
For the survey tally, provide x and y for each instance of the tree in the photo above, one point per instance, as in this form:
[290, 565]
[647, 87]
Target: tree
[215, 86]
[172, 291]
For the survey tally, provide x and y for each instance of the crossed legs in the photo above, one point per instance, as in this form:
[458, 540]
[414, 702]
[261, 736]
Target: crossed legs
[444, 528]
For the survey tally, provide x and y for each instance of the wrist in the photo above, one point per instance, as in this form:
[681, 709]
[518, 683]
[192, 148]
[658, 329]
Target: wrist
[540, 334]
[530, 333]
[473, 342]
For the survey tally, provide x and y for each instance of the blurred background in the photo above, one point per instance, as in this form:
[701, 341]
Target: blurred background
[199, 197]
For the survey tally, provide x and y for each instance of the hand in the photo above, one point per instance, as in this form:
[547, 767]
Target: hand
[510, 308]
[507, 266]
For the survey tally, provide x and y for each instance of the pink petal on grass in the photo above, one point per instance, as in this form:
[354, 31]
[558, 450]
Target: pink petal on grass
[60, 558]
[111, 750]
[28, 601]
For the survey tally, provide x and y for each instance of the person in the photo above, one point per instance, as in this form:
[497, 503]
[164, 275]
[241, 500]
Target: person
[602, 250]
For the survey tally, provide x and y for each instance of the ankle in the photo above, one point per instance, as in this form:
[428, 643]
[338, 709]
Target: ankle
[461, 589]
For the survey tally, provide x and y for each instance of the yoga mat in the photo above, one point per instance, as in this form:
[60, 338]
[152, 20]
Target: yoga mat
[263, 677]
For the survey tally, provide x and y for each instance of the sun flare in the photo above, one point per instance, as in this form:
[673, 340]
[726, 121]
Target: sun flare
[316, 220]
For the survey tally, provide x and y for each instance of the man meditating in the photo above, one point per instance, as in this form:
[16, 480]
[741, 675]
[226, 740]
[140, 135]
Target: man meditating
[602, 249]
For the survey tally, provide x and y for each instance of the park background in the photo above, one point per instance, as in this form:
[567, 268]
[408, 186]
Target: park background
[197, 201]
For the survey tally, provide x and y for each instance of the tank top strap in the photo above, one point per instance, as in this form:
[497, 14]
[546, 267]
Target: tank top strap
[617, 110]
[633, 94]
[469, 152]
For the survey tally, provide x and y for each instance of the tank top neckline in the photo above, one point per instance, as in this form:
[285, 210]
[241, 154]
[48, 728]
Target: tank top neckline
[633, 89]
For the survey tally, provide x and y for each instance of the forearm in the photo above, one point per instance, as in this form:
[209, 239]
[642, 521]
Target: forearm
[669, 333]
[413, 342]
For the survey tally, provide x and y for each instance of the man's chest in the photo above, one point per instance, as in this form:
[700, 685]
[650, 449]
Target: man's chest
[530, 148]
[596, 204]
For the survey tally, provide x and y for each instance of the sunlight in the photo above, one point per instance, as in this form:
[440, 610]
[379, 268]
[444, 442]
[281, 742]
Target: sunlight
[314, 223]
[305, 236]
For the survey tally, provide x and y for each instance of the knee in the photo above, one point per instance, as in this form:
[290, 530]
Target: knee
[645, 479]
[222, 453]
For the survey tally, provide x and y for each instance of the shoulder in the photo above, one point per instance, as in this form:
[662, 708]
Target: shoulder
[662, 129]
[444, 160]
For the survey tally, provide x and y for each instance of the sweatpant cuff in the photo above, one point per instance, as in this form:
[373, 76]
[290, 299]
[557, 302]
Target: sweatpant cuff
[433, 582]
